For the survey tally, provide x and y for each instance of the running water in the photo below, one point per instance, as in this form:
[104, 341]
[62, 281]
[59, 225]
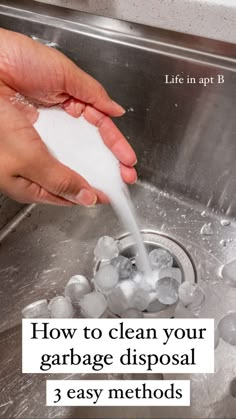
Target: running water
[78, 144]
[123, 206]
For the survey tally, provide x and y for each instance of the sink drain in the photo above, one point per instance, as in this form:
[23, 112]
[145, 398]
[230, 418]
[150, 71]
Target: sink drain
[154, 240]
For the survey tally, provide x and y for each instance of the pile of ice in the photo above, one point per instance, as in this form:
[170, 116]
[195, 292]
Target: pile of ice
[127, 291]
[119, 288]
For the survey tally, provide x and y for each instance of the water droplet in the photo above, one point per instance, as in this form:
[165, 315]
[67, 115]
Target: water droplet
[225, 223]
[228, 273]
[206, 230]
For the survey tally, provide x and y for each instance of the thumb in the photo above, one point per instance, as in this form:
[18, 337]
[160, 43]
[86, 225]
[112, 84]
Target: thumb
[23, 154]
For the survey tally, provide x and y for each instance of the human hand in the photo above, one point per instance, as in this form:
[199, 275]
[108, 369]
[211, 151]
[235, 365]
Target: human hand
[28, 172]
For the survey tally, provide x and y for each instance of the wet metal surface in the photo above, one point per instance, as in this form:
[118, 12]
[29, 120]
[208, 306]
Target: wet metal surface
[8, 209]
[184, 136]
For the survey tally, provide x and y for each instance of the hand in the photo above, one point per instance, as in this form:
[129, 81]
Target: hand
[28, 172]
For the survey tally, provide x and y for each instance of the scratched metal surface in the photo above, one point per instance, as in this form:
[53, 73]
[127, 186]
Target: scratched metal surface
[185, 140]
[8, 209]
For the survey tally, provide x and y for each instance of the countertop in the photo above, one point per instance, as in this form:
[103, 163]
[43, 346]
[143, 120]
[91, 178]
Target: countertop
[214, 19]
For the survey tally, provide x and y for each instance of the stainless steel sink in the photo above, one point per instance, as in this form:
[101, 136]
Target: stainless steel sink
[185, 139]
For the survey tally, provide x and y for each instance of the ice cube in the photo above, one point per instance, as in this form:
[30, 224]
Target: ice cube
[123, 265]
[225, 223]
[116, 302]
[228, 273]
[119, 299]
[60, 308]
[233, 388]
[140, 299]
[160, 258]
[227, 328]
[106, 249]
[174, 273]
[156, 306]
[191, 295]
[167, 290]
[132, 313]
[106, 278]
[108, 314]
[93, 305]
[207, 230]
[36, 310]
[76, 287]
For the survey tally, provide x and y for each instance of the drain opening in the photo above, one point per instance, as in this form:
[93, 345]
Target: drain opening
[154, 240]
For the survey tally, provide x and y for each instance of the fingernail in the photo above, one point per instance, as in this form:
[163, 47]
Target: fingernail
[119, 108]
[86, 197]
[79, 109]
[136, 161]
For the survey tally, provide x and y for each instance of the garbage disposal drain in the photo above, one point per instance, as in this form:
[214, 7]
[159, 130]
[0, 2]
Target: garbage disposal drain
[154, 240]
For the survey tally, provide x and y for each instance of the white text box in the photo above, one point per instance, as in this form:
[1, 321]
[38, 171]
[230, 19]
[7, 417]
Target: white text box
[118, 345]
[118, 393]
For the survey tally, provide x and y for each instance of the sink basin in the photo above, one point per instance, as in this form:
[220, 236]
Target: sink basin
[184, 136]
